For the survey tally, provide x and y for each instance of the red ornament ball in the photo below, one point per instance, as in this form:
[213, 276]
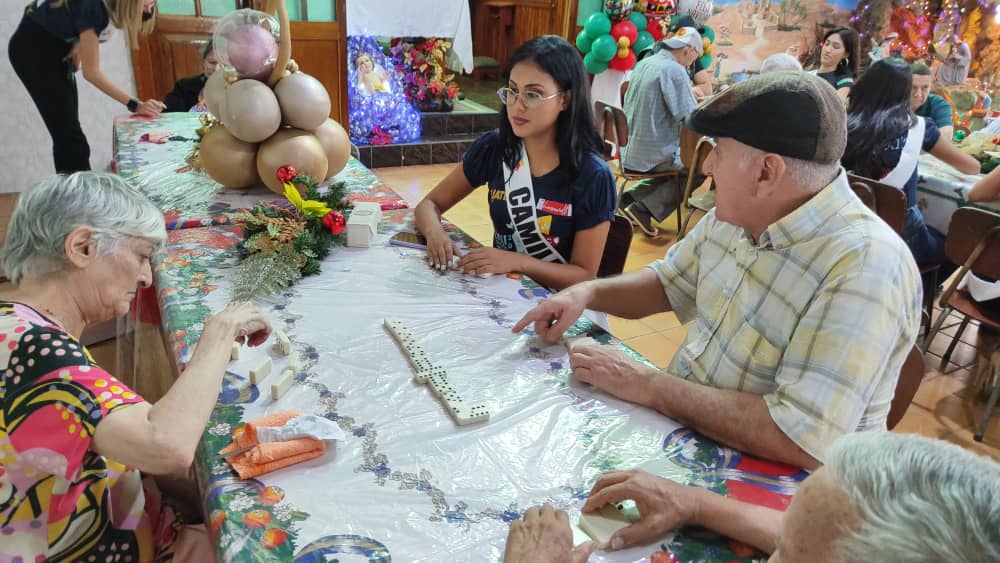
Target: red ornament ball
[286, 174]
[334, 222]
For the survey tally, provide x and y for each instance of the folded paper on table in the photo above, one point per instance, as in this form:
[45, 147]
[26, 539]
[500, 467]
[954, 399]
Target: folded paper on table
[275, 441]
[270, 457]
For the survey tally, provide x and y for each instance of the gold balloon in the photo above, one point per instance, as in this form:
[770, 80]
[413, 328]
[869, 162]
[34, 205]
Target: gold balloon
[294, 147]
[215, 93]
[336, 144]
[228, 160]
[251, 112]
[304, 102]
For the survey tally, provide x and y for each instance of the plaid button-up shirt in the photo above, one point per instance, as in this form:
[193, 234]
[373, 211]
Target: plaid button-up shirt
[817, 317]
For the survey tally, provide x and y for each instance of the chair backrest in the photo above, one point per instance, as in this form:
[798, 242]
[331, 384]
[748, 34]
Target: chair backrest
[887, 202]
[689, 142]
[616, 248]
[909, 381]
[613, 127]
[703, 148]
[973, 241]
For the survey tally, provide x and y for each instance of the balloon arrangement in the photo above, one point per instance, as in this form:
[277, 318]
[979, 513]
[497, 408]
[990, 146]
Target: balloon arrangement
[612, 38]
[268, 113]
[657, 13]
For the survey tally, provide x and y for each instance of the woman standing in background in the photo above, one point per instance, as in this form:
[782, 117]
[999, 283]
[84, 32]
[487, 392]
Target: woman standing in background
[54, 40]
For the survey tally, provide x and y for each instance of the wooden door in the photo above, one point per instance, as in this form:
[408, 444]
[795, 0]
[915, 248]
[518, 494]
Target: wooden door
[173, 50]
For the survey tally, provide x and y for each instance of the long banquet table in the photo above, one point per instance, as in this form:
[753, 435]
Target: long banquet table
[407, 483]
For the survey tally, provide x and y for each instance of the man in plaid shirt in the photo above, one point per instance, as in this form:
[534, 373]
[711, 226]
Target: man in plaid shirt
[802, 303]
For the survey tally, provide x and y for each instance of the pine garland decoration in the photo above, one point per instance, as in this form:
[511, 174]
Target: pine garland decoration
[284, 242]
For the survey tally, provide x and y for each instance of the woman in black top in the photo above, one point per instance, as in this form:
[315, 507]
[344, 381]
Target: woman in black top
[187, 92]
[57, 37]
[838, 62]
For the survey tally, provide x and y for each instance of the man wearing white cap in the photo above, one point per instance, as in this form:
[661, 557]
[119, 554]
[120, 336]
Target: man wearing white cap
[657, 101]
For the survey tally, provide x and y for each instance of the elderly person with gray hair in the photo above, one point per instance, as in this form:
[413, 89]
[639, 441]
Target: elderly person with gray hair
[803, 302]
[891, 498]
[73, 438]
[780, 61]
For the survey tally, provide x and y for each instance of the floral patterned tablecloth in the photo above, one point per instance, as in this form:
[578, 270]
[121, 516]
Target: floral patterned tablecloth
[151, 154]
[407, 483]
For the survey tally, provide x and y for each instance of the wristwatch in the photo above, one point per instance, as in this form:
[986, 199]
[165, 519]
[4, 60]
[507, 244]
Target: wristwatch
[132, 105]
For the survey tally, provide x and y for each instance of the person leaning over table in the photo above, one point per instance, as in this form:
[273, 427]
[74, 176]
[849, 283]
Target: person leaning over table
[55, 39]
[886, 498]
[804, 303]
[551, 196]
[74, 439]
[189, 92]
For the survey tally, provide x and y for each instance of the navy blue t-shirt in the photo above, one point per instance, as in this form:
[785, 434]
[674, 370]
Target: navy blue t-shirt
[894, 150]
[563, 206]
[67, 19]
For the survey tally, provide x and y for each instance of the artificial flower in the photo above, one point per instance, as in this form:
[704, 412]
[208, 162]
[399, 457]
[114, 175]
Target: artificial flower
[307, 207]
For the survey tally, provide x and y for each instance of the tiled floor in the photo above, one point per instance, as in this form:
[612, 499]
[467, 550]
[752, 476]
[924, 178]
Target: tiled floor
[941, 409]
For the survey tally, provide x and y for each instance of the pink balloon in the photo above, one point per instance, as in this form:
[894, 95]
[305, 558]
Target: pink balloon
[252, 51]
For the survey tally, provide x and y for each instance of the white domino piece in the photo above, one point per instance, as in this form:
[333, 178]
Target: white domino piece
[235, 354]
[464, 413]
[603, 523]
[282, 384]
[262, 370]
[284, 344]
[574, 341]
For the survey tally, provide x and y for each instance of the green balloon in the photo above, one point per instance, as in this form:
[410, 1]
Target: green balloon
[642, 41]
[638, 19]
[597, 25]
[604, 48]
[583, 42]
[593, 65]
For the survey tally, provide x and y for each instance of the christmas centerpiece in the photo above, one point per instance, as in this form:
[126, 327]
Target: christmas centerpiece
[266, 112]
[285, 241]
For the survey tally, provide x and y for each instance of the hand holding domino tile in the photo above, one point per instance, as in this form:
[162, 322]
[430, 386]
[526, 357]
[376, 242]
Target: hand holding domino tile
[610, 370]
[663, 506]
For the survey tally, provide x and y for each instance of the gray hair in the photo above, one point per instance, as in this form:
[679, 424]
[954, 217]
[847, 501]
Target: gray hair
[780, 61]
[808, 175]
[917, 499]
[51, 209]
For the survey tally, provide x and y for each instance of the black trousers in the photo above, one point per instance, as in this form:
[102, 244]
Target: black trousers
[37, 58]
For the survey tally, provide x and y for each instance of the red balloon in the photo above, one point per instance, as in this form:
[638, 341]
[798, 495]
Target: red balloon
[625, 29]
[623, 63]
[656, 28]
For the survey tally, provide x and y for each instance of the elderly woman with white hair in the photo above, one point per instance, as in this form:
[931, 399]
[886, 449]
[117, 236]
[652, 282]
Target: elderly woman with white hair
[73, 439]
[890, 498]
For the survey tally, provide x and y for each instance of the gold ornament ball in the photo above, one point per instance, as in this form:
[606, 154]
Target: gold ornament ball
[294, 147]
[215, 93]
[336, 145]
[251, 112]
[228, 160]
[304, 101]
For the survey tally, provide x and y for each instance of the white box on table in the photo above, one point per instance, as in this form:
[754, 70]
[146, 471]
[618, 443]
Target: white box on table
[363, 223]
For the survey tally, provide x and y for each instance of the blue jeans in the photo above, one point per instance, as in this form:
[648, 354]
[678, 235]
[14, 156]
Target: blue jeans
[926, 244]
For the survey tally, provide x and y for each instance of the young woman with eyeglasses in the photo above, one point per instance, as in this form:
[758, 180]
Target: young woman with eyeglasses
[551, 196]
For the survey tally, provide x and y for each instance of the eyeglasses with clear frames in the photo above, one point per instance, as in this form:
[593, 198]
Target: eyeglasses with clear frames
[509, 96]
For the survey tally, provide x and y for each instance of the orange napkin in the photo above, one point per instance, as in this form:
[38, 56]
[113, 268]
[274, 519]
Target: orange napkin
[273, 456]
[267, 457]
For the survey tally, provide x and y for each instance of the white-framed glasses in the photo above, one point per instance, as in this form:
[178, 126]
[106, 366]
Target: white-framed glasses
[509, 96]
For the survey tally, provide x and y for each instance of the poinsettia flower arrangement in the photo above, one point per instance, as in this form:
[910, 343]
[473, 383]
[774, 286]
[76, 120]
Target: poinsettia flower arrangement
[421, 63]
[286, 240]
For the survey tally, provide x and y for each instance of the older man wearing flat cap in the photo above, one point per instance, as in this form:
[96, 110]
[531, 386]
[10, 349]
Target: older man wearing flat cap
[802, 303]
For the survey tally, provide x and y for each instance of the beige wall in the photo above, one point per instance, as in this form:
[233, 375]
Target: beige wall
[25, 146]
